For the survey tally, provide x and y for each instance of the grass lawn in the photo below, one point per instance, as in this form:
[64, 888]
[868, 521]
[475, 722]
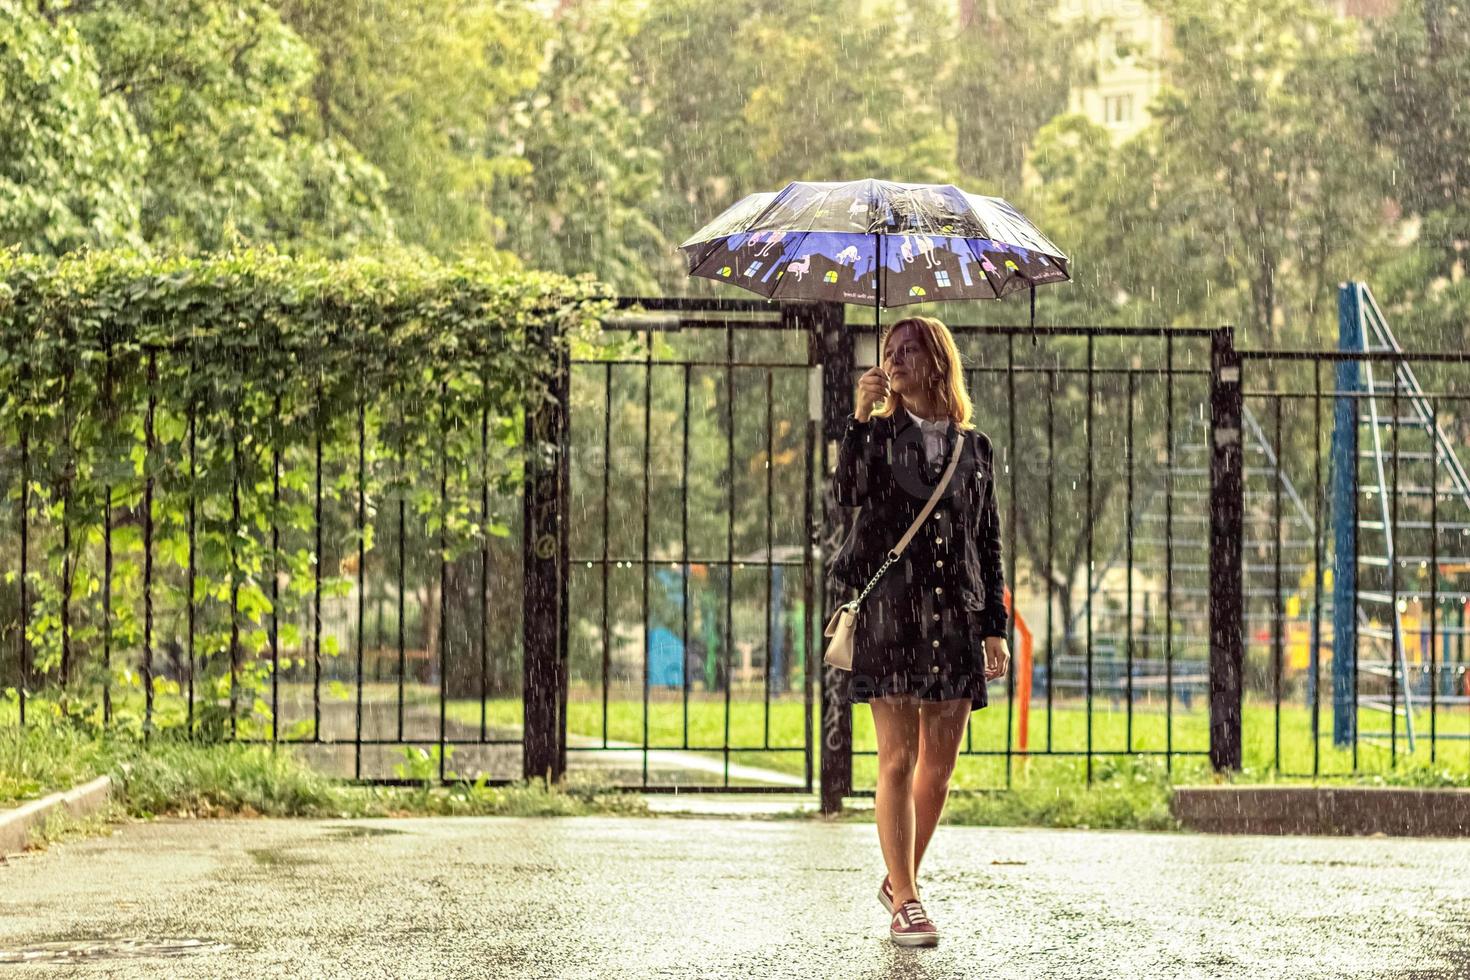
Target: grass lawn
[750, 724]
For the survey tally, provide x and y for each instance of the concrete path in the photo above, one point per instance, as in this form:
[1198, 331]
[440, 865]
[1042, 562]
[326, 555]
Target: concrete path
[697, 897]
[620, 763]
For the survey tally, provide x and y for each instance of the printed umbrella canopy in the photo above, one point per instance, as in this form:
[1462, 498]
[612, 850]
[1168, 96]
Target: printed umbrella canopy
[875, 241]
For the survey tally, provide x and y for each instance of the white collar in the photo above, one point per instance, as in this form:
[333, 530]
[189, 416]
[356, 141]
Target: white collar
[938, 425]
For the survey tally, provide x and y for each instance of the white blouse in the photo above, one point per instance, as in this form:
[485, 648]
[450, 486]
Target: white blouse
[935, 435]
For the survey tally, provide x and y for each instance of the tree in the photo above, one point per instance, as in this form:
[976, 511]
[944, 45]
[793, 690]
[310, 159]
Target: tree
[212, 86]
[1014, 67]
[1251, 129]
[1415, 79]
[72, 162]
[742, 97]
[424, 92]
[583, 201]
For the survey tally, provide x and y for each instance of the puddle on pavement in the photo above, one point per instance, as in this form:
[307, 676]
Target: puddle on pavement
[109, 949]
[349, 831]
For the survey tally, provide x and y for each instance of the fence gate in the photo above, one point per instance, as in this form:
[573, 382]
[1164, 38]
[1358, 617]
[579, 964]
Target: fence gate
[686, 644]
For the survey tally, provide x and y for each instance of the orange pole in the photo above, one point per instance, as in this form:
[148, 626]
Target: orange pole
[1022, 670]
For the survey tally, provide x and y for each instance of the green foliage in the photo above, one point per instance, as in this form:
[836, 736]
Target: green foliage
[72, 162]
[1127, 794]
[179, 776]
[213, 88]
[253, 363]
[424, 91]
[581, 201]
[1041, 60]
[741, 97]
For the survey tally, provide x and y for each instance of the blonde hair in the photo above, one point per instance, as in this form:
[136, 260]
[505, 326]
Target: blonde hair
[938, 344]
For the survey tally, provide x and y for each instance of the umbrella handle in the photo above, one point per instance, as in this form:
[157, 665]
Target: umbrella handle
[878, 298]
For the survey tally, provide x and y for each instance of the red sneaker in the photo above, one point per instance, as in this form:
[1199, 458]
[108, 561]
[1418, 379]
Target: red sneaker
[885, 894]
[911, 926]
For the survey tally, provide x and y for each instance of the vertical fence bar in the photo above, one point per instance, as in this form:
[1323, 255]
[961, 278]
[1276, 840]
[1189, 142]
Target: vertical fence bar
[316, 570]
[1051, 455]
[684, 553]
[1227, 513]
[1316, 659]
[1087, 429]
[275, 637]
[361, 571]
[235, 530]
[1278, 605]
[402, 462]
[443, 567]
[1433, 582]
[68, 455]
[148, 452]
[770, 554]
[1128, 530]
[192, 575]
[484, 547]
[606, 535]
[1011, 473]
[728, 652]
[25, 525]
[809, 532]
[1395, 637]
[1357, 516]
[109, 402]
[1169, 553]
[646, 555]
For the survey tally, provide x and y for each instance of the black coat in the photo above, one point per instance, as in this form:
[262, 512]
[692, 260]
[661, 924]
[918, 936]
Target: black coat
[882, 468]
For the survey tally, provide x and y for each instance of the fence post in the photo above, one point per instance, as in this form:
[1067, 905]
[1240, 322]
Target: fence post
[1344, 470]
[836, 366]
[1227, 519]
[544, 565]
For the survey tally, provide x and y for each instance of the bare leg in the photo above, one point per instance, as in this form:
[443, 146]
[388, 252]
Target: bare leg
[942, 728]
[896, 722]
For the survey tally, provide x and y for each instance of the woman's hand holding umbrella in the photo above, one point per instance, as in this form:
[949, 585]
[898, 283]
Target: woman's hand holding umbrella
[873, 387]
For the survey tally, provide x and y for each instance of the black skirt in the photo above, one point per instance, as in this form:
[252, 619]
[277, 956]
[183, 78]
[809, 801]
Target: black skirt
[917, 640]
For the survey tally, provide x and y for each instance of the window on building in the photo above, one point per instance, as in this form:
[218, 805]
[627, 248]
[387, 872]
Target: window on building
[1117, 109]
[754, 268]
[941, 278]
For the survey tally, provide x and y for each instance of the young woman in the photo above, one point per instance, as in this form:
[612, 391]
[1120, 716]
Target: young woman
[932, 631]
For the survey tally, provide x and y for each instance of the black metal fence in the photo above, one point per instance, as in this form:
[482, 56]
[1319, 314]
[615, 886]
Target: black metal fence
[650, 603]
[1358, 539]
[254, 564]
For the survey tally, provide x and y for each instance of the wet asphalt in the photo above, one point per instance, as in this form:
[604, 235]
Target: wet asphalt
[676, 897]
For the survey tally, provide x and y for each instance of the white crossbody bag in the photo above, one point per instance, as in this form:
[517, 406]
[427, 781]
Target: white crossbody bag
[843, 625]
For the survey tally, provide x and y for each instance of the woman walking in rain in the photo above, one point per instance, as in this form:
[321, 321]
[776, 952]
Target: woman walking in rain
[932, 631]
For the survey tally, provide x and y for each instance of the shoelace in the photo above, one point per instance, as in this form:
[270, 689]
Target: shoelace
[914, 914]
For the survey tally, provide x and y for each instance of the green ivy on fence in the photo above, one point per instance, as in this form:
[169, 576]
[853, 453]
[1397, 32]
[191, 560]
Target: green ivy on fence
[250, 403]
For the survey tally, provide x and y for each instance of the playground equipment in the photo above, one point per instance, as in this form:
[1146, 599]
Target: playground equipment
[1151, 626]
[1401, 520]
[667, 655]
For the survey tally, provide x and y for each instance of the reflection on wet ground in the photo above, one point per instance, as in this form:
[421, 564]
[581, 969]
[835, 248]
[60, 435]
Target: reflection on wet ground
[709, 897]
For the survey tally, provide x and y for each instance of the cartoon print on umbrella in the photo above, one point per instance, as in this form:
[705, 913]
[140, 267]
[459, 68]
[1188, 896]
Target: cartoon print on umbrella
[875, 242]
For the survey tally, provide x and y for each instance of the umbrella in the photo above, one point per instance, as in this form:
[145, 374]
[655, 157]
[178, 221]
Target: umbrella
[875, 241]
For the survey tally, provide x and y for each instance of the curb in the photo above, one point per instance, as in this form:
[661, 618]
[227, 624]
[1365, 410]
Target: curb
[80, 801]
[1343, 811]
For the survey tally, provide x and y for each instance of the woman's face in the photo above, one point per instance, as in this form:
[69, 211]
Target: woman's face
[910, 368]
